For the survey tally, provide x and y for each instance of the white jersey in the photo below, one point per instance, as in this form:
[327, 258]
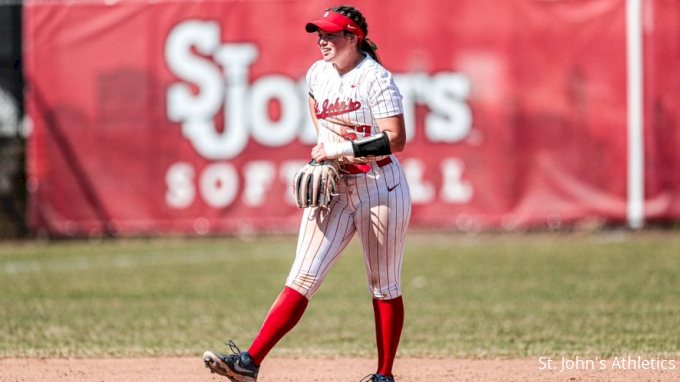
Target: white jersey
[348, 105]
[375, 204]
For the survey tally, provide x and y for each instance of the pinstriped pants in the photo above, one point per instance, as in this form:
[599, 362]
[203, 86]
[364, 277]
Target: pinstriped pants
[375, 205]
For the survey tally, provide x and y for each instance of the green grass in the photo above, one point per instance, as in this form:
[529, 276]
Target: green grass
[607, 294]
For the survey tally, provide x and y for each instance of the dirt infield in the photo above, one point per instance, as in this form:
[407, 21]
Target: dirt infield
[326, 370]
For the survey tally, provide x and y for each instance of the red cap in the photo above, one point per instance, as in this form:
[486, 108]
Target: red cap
[334, 22]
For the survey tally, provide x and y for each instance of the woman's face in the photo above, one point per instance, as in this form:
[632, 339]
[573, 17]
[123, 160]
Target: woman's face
[333, 45]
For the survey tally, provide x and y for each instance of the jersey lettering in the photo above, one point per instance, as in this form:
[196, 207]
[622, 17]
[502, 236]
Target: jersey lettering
[337, 108]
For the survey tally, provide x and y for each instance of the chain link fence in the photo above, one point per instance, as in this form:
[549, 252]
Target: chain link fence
[12, 188]
[12, 132]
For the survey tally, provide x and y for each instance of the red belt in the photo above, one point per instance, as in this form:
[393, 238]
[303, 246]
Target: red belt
[361, 168]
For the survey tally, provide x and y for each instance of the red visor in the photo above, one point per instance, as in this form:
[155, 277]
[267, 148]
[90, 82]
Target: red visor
[334, 22]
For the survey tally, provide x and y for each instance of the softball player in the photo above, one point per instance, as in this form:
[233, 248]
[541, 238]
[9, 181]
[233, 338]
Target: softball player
[358, 115]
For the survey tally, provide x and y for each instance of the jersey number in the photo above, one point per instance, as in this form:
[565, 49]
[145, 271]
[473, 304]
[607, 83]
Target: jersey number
[364, 130]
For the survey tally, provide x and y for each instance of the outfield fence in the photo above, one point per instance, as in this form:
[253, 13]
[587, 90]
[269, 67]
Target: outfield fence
[12, 140]
[164, 117]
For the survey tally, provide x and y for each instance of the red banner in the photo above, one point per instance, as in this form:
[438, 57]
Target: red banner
[662, 110]
[161, 117]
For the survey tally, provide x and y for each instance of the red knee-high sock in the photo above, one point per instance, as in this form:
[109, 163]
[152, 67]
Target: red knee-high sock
[389, 320]
[282, 317]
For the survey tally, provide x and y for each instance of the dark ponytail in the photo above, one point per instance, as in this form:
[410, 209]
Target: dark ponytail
[367, 45]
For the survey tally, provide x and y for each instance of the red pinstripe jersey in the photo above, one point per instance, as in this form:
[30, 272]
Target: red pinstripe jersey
[348, 105]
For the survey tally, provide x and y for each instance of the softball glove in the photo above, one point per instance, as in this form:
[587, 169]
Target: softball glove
[314, 184]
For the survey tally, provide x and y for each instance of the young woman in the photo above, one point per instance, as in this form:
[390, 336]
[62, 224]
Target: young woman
[358, 115]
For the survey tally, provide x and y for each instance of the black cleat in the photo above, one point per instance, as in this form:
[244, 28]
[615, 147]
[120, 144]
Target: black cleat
[377, 378]
[238, 367]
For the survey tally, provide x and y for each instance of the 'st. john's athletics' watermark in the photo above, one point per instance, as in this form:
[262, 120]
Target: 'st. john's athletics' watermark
[617, 363]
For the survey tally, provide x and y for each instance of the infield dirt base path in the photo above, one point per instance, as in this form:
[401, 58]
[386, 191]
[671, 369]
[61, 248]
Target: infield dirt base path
[311, 370]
